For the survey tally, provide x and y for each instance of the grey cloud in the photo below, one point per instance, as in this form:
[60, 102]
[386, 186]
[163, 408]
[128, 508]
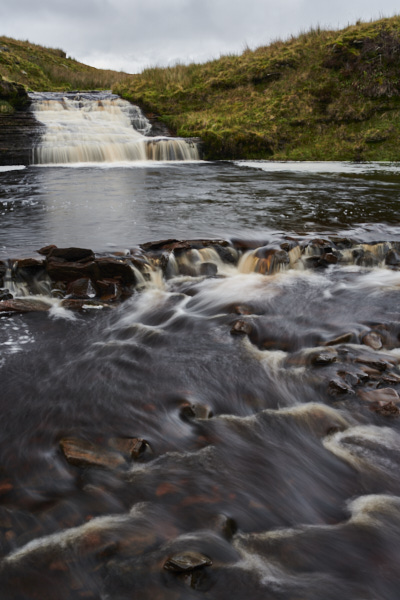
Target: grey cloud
[131, 34]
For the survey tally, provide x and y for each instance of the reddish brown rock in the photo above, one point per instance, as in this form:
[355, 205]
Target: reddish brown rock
[81, 288]
[110, 268]
[29, 263]
[24, 305]
[68, 254]
[82, 453]
[133, 447]
[109, 290]
[69, 271]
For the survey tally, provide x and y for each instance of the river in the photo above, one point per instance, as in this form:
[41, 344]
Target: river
[231, 429]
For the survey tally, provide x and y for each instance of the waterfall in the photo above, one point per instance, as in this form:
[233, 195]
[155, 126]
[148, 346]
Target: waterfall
[99, 127]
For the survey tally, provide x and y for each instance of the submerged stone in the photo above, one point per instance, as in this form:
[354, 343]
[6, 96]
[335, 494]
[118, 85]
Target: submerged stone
[380, 395]
[373, 340]
[241, 327]
[133, 447]
[82, 453]
[187, 561]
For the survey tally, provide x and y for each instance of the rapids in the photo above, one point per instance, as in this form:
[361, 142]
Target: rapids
[229, 428]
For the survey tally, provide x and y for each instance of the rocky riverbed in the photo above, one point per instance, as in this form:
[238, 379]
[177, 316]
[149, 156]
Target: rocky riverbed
[220, 419]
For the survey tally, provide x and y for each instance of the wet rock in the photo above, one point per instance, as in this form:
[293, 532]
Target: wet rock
[386, 409]
[187, 561]
[109, 268]
[323, 359]
[5, 295]
[322, 261]
[174, 244]
[380, 395]
[68, 254]
[109, 290]
[373, 340]
[46, 249]
[392, 258]
[133, 447]
[391, 378]
[195, 411]
[30, 264]
[328, 259]
[208, 269]
[81, 288]
[371, 362]
[337, 386]
[241, 327]
[3, 270]
[82, 453]
[341, 339]
[70, 271]
[24, 305]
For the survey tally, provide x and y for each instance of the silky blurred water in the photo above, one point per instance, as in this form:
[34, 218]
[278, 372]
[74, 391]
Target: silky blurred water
[265, 454]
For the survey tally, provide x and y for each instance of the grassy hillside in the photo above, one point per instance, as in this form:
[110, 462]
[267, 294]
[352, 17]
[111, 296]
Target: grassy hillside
[28, 66]
[324, 95]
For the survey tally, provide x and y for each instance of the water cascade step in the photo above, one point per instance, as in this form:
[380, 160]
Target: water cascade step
[98, 127]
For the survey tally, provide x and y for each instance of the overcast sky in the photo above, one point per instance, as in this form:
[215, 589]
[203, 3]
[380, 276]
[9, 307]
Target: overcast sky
[130, 35]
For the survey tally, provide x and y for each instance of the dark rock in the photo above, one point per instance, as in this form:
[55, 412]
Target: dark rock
[82, 453]
[109, 268]
[323, 358]
[391, 378]
[241, 327]
[374, 363]
[187, 561]
[208, 269]
[5, 295]
[109, 290]
[46, 249]
[31, 264]
[392, 258]
[24, 305]
[81, 288]
[3, 268]
[341, 339]
[180, 245]
[69, 271]
[68, 254]
[338, 386]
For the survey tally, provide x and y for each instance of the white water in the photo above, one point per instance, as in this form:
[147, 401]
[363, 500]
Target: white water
[100, 128]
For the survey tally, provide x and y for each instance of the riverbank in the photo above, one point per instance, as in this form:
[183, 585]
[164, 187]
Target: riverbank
[323, 95]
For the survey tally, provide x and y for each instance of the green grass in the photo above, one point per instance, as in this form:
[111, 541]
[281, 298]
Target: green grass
[323, 95]
[38, 68]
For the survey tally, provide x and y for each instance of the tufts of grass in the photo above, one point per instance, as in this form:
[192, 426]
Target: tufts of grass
[320, 95]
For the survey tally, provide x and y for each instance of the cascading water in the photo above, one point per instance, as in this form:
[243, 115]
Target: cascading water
[100, 127]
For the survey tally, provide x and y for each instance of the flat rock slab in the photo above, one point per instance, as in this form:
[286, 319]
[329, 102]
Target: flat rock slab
[187, 561]
[82, 453]
[24, 305]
